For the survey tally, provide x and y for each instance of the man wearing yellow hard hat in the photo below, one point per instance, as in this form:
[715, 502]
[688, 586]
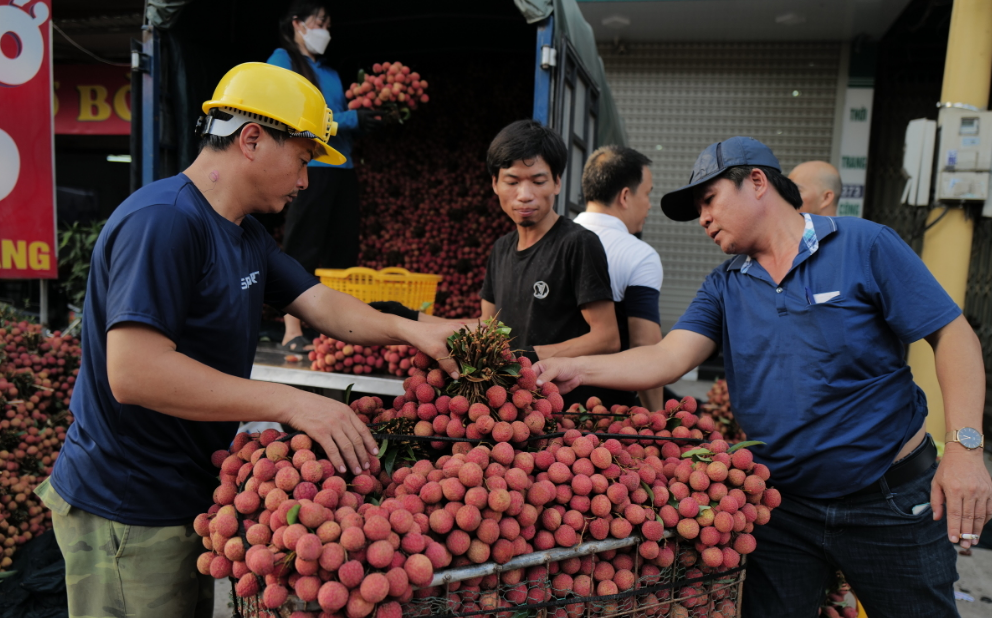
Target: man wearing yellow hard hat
[174, 299]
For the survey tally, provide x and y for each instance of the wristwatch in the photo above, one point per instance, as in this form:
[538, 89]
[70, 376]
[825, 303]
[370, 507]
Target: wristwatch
[968, 437]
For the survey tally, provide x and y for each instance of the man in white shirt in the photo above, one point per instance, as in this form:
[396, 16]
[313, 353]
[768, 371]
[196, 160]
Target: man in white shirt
[616, 184]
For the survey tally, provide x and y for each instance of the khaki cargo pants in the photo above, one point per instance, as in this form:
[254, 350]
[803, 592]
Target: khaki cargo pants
[116, 570]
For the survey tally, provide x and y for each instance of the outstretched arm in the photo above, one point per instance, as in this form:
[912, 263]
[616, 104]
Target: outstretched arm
[346, 318]
[961, 486]
[144, 368]
[633, 370]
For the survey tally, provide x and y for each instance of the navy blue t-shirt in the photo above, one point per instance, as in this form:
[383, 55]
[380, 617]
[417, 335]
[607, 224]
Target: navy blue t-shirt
[167, 259]
[816, 364]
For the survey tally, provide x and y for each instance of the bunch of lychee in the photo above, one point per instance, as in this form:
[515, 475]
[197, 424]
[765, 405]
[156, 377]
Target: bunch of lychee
[515, 414]
[284, 521]
[37, 375]
[388, 83]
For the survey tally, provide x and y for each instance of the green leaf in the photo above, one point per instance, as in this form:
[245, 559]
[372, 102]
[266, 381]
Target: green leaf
[673, 423]
[467, 369]
[513, 369]
[361, 76]
[6, 574]
[389, 461]
[744, 444]
[425, 306]
[703, 507]
[649, 490]
[347, 394]
[293, 514]
[696, 452]
[504, 330]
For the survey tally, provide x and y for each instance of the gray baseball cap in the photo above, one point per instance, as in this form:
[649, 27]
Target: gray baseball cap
[714, 160]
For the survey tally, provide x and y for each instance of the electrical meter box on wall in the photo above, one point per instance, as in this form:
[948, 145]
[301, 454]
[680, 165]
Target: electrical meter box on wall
[965, 156]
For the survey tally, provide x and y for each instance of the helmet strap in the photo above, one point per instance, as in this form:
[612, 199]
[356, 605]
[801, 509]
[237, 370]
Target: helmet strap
[224, 121]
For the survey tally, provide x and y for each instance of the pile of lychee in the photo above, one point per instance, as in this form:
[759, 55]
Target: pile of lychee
[427, 199]
[331, 355]
[679, 420]
[37, 375]
[285, 523]
[718, 405]
[389, 84]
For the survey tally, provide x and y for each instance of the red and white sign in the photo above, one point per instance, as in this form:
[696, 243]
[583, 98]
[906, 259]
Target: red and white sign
[27, 180]
[92, 99]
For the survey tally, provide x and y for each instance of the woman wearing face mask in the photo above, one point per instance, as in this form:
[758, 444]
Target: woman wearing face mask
[322, 222]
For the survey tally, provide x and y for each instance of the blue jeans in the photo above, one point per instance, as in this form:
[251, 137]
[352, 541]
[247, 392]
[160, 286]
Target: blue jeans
[899, 565]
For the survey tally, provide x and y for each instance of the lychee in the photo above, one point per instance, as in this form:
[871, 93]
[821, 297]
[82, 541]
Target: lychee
[332, 596]
[274, 595]
[351, 573]
[419, 569]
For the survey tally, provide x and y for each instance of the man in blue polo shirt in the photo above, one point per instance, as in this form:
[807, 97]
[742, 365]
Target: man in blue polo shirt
[813, 315]
[174, 300]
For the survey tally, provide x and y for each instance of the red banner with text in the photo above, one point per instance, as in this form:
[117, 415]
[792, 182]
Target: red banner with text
[27, 187]
[92, 99]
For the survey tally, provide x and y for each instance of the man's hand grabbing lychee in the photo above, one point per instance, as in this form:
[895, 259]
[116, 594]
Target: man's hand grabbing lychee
[336, 427]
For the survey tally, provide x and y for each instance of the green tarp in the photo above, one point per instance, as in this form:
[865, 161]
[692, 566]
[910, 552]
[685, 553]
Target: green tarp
[569, 22]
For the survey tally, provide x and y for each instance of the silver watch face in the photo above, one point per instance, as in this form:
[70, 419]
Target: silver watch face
[969, 438]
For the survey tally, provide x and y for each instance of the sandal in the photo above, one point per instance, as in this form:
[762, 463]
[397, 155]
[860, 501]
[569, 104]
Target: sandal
[297, 345]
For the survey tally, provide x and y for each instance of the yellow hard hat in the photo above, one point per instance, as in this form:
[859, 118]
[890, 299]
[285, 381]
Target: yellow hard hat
[274, 97]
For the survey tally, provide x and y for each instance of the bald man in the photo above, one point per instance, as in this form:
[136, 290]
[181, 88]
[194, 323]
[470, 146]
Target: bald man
[819, 185]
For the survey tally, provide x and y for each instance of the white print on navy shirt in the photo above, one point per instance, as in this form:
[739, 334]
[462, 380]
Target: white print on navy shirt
[541, 290]
[247, 281]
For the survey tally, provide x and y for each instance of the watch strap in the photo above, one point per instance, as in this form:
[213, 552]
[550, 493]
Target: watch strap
[952, 436]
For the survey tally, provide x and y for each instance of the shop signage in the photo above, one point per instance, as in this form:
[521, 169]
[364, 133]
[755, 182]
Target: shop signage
[92, 99]
[27, 185]
[854, 151]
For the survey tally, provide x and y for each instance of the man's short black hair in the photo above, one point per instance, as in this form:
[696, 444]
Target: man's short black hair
[785, 187]
[609, 170]
[524, 140]
[221, 143]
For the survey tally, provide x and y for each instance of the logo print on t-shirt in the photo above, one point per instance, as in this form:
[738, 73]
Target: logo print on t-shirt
[541, 290]
[247, 281]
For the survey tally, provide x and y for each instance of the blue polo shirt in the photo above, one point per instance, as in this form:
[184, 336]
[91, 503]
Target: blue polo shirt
[330, 86]
[168, 260]
[816, 364]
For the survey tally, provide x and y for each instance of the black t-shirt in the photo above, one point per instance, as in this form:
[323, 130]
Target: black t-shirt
[539, 292]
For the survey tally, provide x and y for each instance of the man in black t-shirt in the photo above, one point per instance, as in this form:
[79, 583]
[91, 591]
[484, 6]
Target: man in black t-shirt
[548, 279]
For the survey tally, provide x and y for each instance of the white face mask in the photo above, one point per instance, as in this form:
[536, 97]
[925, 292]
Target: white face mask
[316, 40]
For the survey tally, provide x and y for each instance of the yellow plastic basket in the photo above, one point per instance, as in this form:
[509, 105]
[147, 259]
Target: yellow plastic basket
[413, 290]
